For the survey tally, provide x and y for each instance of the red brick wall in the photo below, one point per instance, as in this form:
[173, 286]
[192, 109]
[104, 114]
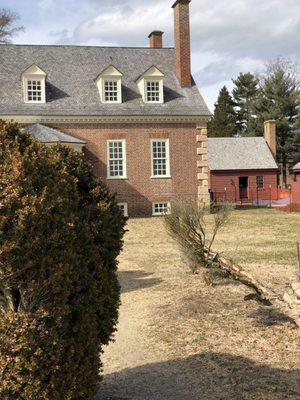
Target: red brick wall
[296, 191]
[155, 40]
[218, 180]
[139, 190]
[182, 42]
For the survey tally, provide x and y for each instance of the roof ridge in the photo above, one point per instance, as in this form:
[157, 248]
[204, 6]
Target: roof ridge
[84, 46]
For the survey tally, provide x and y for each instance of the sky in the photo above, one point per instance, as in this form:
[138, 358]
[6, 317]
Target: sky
[228, 37]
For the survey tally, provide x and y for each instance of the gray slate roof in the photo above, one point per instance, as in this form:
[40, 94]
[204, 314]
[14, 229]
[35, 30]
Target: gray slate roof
[239, 154]
[296, 167]
[44, 134]
[71, 88]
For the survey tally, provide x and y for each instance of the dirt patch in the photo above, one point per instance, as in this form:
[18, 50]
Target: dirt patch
[180, 339]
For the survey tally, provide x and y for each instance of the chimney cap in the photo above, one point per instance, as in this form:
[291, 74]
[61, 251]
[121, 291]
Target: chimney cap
[270, 121]
[181, 2]
[156, 33]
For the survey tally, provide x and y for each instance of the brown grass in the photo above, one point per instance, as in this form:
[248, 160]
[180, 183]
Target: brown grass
[181, 339]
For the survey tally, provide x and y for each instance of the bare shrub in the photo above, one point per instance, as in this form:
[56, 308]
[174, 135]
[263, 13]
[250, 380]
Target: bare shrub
[188, 225]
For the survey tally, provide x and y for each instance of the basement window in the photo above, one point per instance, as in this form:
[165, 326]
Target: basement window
[161, 208]
[260, 182]
[124, 208]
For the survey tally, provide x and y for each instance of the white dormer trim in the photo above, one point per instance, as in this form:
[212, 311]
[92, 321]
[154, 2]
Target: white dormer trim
[30, 75]
[152, 77]
[109, 84]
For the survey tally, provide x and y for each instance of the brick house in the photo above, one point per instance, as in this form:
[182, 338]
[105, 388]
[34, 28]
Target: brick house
[243, 168]
[136, 112]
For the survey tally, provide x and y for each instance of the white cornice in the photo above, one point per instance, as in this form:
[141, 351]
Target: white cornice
[111, 119]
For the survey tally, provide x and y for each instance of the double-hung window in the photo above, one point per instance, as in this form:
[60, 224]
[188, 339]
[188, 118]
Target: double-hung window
[111, 91]
[260, 182]
[116, 159]
[160, 158]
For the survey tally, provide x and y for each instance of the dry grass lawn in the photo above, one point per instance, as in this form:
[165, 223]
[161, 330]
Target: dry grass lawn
[180, 339]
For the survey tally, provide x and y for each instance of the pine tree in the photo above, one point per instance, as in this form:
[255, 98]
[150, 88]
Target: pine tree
[245, 94]
[280, 101]
[223, 123]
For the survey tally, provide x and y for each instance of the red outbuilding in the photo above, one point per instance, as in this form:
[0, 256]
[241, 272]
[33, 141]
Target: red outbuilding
[296, 172]
[244, 169]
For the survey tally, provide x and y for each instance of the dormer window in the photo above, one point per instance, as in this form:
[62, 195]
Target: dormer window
[34, 81]
[34, 91]
[109, 84]
[151, 86]
[111, 91]
[153, 91]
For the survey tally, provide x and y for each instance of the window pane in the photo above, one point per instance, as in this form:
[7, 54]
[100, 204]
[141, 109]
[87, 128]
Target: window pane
[34, 90]
[161, 208]
[159, 157]
[153, 92]
[111, 91]
[260, 182]
[116, 158]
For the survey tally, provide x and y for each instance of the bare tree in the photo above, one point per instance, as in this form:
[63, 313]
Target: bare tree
[187, 224]
[7, 25]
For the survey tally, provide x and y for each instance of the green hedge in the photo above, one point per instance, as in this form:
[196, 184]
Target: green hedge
[60, 234]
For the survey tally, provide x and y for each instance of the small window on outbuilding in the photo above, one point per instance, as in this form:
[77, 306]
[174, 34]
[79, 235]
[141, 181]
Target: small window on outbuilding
[34, 82]
[260, 182]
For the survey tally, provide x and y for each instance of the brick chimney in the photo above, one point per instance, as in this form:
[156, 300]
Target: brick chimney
[182, 41]
[156, 41]
[270, 136]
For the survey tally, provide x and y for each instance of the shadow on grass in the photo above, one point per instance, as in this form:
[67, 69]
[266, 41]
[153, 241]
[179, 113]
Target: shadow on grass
[136, 280]
[207, 376]
[269, 316]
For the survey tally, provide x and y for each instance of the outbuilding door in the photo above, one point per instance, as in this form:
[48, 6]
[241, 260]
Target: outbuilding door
[243, 186]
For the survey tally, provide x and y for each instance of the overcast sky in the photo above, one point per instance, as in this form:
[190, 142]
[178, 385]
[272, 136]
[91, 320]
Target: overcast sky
[227, 36]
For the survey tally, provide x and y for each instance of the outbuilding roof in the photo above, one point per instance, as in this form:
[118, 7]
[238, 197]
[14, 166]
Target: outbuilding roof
[296, 167]
[239, 154]
[71, 88]
[44, 134]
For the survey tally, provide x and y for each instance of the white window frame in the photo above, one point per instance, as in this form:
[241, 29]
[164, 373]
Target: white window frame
[40, 79]
[167, 175]
[160, 213]
[125, 208]
[154, 80]
[124, 176]
[263, 181]
[119, 90]
[110, 74]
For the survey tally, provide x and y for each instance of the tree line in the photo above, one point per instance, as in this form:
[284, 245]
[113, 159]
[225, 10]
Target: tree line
[275, 95]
